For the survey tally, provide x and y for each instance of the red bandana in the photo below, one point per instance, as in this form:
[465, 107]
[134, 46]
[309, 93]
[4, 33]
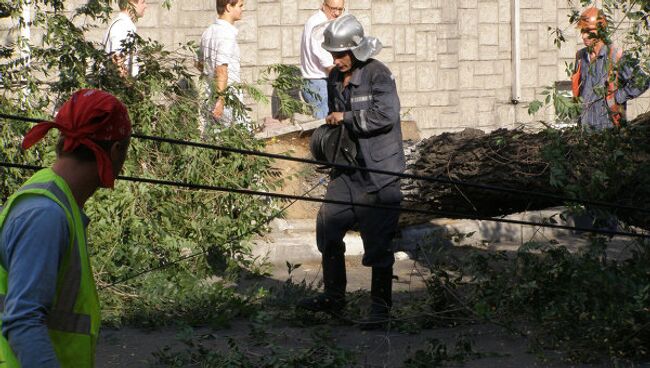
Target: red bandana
[90, 115]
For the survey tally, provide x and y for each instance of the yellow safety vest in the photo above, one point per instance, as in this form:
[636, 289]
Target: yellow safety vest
[73, 322]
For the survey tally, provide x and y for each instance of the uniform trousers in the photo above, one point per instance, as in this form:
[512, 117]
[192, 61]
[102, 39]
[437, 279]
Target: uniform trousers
[377, 226]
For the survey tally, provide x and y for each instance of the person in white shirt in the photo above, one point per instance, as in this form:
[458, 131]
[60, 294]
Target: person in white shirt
[315, 62]
[219, 63]
[122, 31]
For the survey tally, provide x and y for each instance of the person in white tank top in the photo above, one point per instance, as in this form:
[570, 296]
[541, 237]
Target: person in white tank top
[122, 30]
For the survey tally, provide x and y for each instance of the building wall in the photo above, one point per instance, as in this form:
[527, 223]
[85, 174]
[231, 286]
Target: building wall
[451, 58]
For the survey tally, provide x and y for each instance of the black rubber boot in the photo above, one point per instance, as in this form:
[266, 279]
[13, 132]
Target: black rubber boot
[332, 300]
[381, 293]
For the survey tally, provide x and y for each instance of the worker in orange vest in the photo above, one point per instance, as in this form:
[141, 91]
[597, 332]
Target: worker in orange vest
[604, 78]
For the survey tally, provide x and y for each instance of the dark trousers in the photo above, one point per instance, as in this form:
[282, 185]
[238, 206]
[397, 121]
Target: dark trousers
[377, 226]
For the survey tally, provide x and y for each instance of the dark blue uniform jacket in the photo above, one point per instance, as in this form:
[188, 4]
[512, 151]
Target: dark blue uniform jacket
[372, 113]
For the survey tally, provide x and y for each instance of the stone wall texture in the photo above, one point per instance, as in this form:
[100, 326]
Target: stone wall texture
[452, 59]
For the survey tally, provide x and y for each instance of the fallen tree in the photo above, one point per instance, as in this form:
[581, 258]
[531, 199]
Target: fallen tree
[610, 166]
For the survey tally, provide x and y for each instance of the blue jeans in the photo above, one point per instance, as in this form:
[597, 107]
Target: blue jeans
[315, 94]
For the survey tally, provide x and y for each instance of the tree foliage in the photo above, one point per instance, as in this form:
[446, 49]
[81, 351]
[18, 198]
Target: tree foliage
[588, 300]
[139, 226]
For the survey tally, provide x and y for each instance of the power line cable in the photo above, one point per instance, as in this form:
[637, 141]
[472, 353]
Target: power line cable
[437, 213]
[378, 171]
[391, 173]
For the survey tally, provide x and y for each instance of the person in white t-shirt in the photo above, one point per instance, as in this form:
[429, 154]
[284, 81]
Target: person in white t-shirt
[122, 31]
[316, 63]
[219, 63]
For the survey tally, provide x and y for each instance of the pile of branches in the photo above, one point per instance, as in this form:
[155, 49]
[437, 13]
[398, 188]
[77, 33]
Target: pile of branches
[610, 166]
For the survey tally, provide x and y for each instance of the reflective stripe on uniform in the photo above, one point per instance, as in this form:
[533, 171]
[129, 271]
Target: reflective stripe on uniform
[361, 99]
[362, 120]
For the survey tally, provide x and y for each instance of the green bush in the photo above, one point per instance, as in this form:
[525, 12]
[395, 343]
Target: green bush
[141, 226]
[591, 307]
[581, 303]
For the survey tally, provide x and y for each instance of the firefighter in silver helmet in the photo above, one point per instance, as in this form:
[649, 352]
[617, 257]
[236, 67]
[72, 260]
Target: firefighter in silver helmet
[363, 98]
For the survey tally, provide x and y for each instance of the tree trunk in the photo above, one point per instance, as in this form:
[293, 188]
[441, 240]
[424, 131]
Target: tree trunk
[611, 166]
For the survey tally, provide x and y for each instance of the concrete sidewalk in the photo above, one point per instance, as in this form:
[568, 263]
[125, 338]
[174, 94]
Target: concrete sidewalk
[295, 240]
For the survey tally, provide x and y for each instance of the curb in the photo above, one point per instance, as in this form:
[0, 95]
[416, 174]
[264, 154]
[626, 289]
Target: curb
[295, 240]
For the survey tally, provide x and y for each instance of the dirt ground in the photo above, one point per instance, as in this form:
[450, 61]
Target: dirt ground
[133, 348]
[495, 346]
[298, 177]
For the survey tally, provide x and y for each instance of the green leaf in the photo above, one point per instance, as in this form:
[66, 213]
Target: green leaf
[534, 106]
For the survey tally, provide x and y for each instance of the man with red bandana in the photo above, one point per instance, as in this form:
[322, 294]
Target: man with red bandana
[48, 299]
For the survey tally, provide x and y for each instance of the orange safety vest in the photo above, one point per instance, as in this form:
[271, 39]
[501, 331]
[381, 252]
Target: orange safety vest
[576, 79]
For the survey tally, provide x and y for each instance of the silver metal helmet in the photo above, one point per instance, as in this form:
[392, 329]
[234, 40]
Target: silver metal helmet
[346, 33]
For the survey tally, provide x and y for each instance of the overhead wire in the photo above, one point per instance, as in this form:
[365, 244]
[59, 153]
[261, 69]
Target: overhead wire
[303, 197]
[284, 196]
[365, 169]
